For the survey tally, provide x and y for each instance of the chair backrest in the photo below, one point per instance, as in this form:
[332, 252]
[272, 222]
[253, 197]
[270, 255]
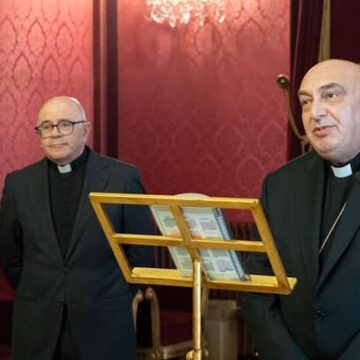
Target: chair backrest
[164, 322]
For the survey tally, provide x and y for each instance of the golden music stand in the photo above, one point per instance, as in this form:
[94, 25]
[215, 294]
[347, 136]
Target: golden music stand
[277, 284]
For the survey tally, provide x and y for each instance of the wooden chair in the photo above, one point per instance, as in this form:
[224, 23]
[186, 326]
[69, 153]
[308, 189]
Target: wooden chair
[164, 322]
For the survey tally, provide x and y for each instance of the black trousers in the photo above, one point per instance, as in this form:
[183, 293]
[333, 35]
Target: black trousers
[66, 348]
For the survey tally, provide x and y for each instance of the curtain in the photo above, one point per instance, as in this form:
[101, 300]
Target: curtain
[305, 29]
[345, 29]
[105, 63]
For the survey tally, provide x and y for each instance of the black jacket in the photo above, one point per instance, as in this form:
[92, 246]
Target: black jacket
[321, 318]
[87, 280]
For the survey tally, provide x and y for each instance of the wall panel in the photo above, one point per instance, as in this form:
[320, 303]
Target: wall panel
[199, 108]
[45, 50]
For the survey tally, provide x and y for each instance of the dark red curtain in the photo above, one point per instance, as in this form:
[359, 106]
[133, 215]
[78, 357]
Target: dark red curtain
[345, 29]
[105, 66]
[305, 26]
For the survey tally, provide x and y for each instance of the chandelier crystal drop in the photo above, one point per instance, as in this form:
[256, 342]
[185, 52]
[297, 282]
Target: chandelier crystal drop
[177, 12]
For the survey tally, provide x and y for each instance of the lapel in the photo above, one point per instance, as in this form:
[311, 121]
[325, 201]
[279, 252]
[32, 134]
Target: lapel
[344, 233]
[96, 176]
[308, 213]
[40, 206]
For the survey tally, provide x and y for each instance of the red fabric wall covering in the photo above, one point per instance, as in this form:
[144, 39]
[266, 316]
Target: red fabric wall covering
[45, 50]
[199, 108]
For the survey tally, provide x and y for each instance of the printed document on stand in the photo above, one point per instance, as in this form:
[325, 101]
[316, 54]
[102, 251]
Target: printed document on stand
[204, 223]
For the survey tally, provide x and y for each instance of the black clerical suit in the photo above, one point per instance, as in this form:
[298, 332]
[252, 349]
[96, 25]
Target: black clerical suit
[321, 318]
[86, 279]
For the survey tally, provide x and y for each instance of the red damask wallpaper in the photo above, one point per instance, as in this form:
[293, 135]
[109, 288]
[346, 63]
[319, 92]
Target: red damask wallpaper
[45, 50]
[199, 107]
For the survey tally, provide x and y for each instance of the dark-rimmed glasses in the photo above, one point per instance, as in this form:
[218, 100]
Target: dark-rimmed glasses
[64, 127]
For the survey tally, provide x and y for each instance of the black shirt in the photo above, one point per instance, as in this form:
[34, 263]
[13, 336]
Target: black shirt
[65, 191]
[336, 191]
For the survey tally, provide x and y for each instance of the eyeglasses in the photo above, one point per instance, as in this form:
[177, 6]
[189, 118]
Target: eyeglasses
[64, 127]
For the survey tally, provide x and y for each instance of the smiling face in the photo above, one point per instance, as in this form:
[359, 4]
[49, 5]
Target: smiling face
[62, 149]
[330, 99]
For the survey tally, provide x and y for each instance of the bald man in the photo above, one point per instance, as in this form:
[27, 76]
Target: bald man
[313, 208]
[72, 301]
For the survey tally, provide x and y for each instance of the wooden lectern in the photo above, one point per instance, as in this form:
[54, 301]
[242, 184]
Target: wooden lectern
[279, 283]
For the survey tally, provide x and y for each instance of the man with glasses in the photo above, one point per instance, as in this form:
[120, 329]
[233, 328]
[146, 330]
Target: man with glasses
[72, 301]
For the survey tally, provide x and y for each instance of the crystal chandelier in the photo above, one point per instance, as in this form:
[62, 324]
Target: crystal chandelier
[176, 12]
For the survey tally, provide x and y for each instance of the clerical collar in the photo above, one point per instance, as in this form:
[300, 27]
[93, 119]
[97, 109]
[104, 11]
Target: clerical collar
[342, 171]
[75, 164]
[347, 169]
[64, 169]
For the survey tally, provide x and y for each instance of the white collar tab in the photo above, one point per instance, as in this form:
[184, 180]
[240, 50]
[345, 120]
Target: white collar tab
[342, 171]
[64, 169]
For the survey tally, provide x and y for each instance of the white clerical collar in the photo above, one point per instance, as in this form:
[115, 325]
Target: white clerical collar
[342, 171]
[64, 169]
